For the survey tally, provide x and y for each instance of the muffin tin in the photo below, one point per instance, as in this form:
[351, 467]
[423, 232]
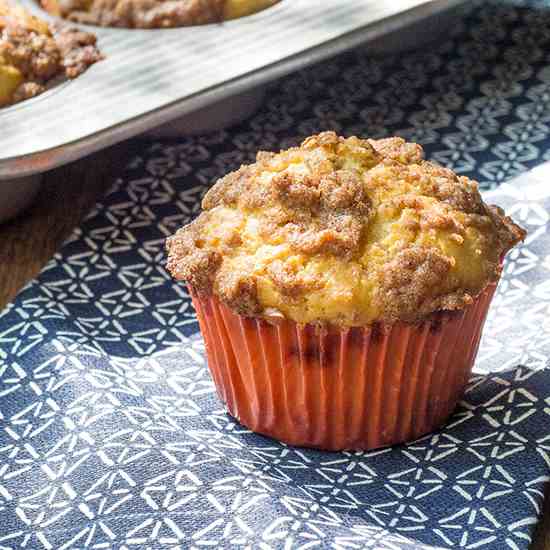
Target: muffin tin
[153, 77]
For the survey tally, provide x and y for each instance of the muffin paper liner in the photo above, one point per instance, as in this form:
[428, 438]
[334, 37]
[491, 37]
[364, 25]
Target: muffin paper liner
[341, 388]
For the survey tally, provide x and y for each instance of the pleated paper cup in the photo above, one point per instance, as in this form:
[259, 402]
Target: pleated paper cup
[339, 388]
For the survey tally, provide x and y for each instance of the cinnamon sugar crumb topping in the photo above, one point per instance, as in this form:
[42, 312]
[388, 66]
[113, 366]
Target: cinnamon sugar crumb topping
[343, 230]
[153, 14]
[34, 54]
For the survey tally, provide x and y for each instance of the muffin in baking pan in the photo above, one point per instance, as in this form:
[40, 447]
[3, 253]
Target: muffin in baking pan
[153, 14]
[341, 288]
[35, 55]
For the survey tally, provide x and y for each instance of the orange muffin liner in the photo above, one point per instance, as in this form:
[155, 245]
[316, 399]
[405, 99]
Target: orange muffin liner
[341, 388]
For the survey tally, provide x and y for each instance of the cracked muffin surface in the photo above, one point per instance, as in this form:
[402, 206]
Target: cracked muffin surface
[346, 231]
[34, 54]
[153, 14]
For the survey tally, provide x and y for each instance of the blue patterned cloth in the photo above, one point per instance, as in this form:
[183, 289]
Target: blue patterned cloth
[111, 434]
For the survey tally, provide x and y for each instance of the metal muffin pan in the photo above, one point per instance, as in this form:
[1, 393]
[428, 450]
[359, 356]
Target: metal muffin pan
[154, 77]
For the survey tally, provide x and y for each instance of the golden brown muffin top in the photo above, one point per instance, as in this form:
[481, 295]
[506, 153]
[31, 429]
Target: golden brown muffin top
[32, 54]
[153, 14]
[346, 231]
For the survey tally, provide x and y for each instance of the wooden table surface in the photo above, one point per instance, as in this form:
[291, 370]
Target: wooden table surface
[67, 194]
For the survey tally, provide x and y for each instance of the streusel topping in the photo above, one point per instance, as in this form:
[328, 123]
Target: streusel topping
[343, 230]
[153, 14]
[34, 55]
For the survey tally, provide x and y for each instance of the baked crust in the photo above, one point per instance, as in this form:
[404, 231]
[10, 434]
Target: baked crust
[153, 14]
[34, 54]
[346, 231]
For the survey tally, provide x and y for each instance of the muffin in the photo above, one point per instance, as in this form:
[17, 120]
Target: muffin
[153, 14]
[341, 288]
[34, 55]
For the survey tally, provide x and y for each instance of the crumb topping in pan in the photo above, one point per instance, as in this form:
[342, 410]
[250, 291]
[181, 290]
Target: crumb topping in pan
[153, 14]
[343, 230]
[33, 54]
